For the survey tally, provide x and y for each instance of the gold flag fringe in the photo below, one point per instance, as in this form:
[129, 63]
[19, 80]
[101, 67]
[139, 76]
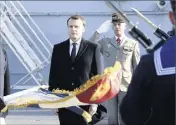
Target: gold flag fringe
[30, 101]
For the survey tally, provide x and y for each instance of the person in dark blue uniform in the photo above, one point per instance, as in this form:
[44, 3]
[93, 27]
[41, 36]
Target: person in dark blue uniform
[150, 99]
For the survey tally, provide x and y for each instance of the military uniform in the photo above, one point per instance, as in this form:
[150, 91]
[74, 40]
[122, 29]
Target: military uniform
[127, 53]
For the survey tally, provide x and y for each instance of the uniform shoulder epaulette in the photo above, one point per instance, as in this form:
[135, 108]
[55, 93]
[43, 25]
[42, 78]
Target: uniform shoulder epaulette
[130, 42]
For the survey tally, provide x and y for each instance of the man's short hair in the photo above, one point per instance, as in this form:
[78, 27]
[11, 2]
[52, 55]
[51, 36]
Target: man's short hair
[76, 17]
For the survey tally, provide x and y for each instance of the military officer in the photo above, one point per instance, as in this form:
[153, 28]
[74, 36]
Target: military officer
[4, 79]
[119, 48]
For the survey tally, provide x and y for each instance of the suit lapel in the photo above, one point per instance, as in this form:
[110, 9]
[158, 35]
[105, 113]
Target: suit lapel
[114, 43]
[66, 49]
[82, 48]
[124, 40]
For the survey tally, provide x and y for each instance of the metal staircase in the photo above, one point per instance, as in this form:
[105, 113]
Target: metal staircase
[26, 40]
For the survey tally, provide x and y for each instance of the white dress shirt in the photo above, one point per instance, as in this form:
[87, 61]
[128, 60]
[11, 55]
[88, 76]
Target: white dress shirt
[78, 43]
[122, 39]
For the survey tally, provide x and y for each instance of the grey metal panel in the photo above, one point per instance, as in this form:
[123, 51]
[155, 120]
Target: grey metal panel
[51, 17]
[87, 6]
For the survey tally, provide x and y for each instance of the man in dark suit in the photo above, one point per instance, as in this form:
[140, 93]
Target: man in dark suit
[150, 99]
[73, 62]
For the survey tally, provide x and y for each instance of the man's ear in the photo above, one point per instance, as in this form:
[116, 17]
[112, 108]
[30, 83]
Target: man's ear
[84, 28]
[171, 16]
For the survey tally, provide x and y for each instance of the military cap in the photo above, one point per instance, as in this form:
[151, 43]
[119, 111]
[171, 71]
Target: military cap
[115, 18]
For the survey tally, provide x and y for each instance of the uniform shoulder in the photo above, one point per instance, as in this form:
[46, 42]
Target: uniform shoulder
[148, 57]
[105, 38]
[130, 42]
[147, 61]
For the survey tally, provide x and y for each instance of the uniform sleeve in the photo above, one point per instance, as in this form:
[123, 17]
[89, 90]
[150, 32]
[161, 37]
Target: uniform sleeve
[97, 64]
[135, 56]
[99, 60]
[95, 39]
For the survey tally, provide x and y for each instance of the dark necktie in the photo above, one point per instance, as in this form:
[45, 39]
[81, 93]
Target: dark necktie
[73, 53]
[118, 41]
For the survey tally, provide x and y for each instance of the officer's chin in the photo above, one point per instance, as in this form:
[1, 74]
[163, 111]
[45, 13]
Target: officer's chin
[117, 33]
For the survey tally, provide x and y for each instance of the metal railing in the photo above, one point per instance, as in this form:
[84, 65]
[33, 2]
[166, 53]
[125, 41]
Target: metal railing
[25, 39]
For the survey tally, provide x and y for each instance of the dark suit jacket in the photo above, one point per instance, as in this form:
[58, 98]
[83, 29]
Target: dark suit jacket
[68, 75]
[6, 78]
[150, 99]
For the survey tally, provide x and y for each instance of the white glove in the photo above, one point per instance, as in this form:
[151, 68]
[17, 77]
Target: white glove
[2, 121]
[93, 109]
[104, 27]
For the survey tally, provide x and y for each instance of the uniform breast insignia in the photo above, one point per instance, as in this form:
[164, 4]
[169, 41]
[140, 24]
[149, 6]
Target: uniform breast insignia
[108, 50]
[127, 50]
[107, 53]
[108, 46]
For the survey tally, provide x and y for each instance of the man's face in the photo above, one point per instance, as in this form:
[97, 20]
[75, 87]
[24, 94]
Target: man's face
[172, 18]
[172, 14]
[75, 29]
[119, 28]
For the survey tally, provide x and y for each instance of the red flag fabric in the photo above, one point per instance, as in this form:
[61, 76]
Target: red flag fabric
[105, 86]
